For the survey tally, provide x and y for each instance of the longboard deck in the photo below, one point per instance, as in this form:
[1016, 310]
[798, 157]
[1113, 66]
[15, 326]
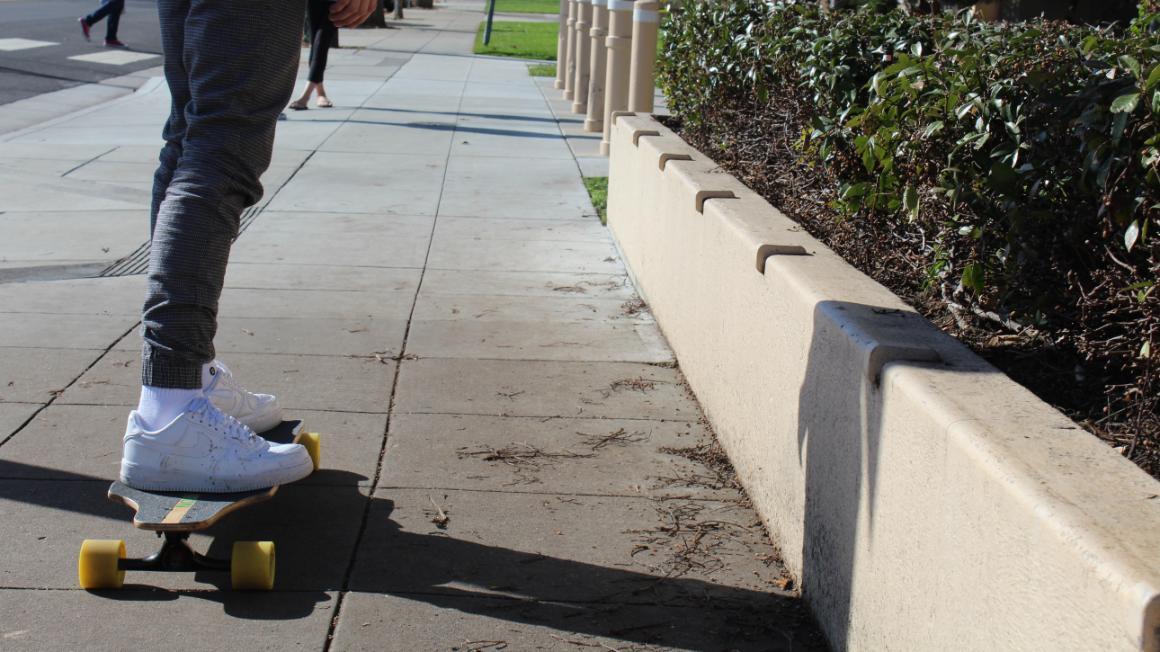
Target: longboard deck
[184, 511]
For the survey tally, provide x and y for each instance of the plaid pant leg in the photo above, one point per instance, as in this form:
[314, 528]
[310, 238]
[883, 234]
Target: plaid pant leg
[230, 67]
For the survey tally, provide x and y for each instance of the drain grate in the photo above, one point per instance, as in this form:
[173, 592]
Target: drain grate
[138, 261]
[248, 217]
[135, 263]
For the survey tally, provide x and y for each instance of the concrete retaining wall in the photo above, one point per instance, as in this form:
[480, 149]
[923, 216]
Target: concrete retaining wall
[925, 500]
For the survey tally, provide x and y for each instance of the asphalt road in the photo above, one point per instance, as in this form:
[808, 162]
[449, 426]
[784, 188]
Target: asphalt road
[32, 71]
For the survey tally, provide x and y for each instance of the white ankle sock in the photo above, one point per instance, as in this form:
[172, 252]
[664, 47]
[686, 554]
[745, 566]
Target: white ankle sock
[159, 406]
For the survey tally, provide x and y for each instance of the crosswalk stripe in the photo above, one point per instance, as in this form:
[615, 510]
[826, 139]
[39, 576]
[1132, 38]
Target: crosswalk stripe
[114, 57]
[13, 44]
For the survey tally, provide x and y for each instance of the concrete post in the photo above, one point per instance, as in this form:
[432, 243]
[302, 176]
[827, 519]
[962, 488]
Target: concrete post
[569, 61]
[595, 117]
[582, 53]
[642, 75]
[561, 44]
[616, 73]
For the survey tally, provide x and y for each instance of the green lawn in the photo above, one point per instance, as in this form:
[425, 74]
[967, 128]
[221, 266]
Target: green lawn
[542, 69]
[528, 40]
[519, 39]
[598, 191]
[527, 6]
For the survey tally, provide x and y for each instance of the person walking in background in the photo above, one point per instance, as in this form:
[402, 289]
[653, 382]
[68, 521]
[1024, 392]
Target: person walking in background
[323, 35]
[112, 10]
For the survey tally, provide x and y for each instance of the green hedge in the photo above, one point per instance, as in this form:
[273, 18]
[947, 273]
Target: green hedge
[1024, 159]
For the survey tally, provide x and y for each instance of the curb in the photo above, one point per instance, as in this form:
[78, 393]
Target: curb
[29, 113]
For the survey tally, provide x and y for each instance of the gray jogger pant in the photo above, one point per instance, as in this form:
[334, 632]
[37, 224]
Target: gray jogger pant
[230, 66]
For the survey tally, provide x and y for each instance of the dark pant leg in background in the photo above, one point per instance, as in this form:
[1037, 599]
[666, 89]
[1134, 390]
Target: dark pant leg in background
[230, 67]
[111, 9]
[114, 21]
[322, 36]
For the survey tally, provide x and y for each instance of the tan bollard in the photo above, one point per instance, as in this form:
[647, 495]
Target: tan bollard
[561, 44]
[642, 76]
[595, 118]
[616, 68]
[569, 62]
[582, 53]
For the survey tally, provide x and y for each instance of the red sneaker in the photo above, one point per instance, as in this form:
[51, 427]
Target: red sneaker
[84, 27]
[114, 43]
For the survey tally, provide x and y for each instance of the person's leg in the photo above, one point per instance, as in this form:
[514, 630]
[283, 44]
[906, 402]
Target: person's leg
[300, 104]
[230, 71]
[116, 8]
[240, 59]
[317, 15]
[326, 38]
[321, 40]
[321, 34]
[172, 14]
[324, 32]
[323, 98]
[103, 10]
[159, 405]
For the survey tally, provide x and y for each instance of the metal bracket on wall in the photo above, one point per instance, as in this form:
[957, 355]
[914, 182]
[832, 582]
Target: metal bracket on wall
[703, 195]
[643, 132]
[767, 250]
[666, 157]
[884, 354]
[882, 335]
[617, 114]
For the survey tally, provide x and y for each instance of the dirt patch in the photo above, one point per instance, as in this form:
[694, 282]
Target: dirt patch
[719, 472]
[633, 307]
[638, 384]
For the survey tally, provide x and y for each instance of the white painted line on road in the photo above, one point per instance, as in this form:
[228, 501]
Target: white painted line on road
[114, 57]
[13, 44]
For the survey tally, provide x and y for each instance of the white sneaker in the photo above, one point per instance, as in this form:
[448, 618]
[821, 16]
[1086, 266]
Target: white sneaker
[258, 411]
[207, 450]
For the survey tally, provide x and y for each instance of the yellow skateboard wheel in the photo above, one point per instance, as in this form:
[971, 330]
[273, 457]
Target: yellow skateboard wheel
[97, 565]
[313, 443]
[252, 566]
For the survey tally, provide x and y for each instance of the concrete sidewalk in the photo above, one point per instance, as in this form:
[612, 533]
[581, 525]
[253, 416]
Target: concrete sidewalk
[425, 283]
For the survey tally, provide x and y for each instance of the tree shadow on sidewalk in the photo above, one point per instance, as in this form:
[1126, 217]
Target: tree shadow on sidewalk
[488, 116]
[459, 129]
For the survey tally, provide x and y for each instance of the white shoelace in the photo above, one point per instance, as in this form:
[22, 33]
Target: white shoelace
[227, 425]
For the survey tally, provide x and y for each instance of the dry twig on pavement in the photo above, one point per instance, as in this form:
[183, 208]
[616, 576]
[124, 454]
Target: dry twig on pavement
[620, 437]
[524, 458]
[441, 518]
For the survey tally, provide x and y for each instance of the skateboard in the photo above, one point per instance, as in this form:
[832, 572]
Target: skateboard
[174, 516]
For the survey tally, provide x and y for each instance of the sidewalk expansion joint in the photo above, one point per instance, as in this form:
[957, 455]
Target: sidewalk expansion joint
[345, 586]
[604, 601]
[568, 494]
[546, 418]
[72, 382]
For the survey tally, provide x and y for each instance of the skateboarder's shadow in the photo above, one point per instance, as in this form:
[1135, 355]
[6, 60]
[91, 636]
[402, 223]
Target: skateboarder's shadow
[415, 569]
